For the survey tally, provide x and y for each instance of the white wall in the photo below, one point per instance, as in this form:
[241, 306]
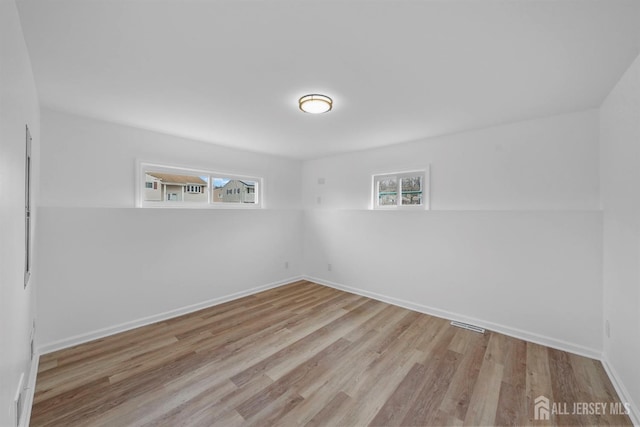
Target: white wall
[18, 106]
[513, 240]
[107, 266]
[516, 272]
[91, 163]
[110, 267]
[620, 186]
[549, 163]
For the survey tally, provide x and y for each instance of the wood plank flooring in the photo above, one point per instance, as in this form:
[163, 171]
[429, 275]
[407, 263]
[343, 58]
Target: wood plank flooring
[305, 354]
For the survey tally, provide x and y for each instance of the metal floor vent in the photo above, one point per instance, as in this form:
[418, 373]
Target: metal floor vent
[473, 328]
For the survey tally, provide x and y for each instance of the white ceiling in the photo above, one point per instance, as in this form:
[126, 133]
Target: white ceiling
[231, 71]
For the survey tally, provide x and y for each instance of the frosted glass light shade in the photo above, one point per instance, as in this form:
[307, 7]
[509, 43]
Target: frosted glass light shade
[315, 104]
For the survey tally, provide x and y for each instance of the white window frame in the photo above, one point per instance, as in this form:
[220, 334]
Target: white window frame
[143, 167]
[376, 178]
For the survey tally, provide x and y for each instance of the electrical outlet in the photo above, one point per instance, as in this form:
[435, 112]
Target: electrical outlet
[607, 328]
[329, 267]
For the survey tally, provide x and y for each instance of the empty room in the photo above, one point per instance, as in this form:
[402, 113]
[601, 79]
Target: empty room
[319, 213]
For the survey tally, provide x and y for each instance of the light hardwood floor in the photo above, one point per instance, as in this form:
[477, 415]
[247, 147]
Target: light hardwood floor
[305, 354]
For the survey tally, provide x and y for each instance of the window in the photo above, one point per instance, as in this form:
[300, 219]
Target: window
[170, 186]
[194, 189]
[238, 190]
[401, 190]
[175, 185]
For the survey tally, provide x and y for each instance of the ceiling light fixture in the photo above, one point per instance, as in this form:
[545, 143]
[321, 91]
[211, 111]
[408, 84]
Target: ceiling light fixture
[315, 104]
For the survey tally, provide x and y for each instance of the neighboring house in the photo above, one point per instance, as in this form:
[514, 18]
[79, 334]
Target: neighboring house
[152, 188]
[174, 188]
[235, 191]
[217, 195]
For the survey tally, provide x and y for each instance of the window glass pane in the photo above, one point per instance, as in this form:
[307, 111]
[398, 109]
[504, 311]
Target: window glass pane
[388, 191]
[175, 187]
[233, 190]
[412, 190]
[166, 185]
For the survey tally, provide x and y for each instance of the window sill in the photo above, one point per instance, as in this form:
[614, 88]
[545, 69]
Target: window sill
[178, 205]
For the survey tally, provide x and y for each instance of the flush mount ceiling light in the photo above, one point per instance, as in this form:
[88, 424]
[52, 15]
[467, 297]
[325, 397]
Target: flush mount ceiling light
[315, 104]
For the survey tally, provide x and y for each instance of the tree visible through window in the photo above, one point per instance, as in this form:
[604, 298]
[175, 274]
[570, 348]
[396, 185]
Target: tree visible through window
[411, 188]
[388, 191]
[406, 189]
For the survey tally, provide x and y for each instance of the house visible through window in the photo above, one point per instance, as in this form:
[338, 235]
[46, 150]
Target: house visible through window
[401, 190]
[173, 186]
[228, 189]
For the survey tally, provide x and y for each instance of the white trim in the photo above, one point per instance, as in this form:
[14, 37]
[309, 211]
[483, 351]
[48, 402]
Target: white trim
[506, 330]
[426, 189]
[111, 330]
[623, 393]
[142, 167]
[30, 390]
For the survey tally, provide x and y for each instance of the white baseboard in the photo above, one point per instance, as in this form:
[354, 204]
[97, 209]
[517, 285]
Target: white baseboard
[30, 390]
[111, 330]
[506, 330]
[517, 333]
[623, 394]
[618, 384]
